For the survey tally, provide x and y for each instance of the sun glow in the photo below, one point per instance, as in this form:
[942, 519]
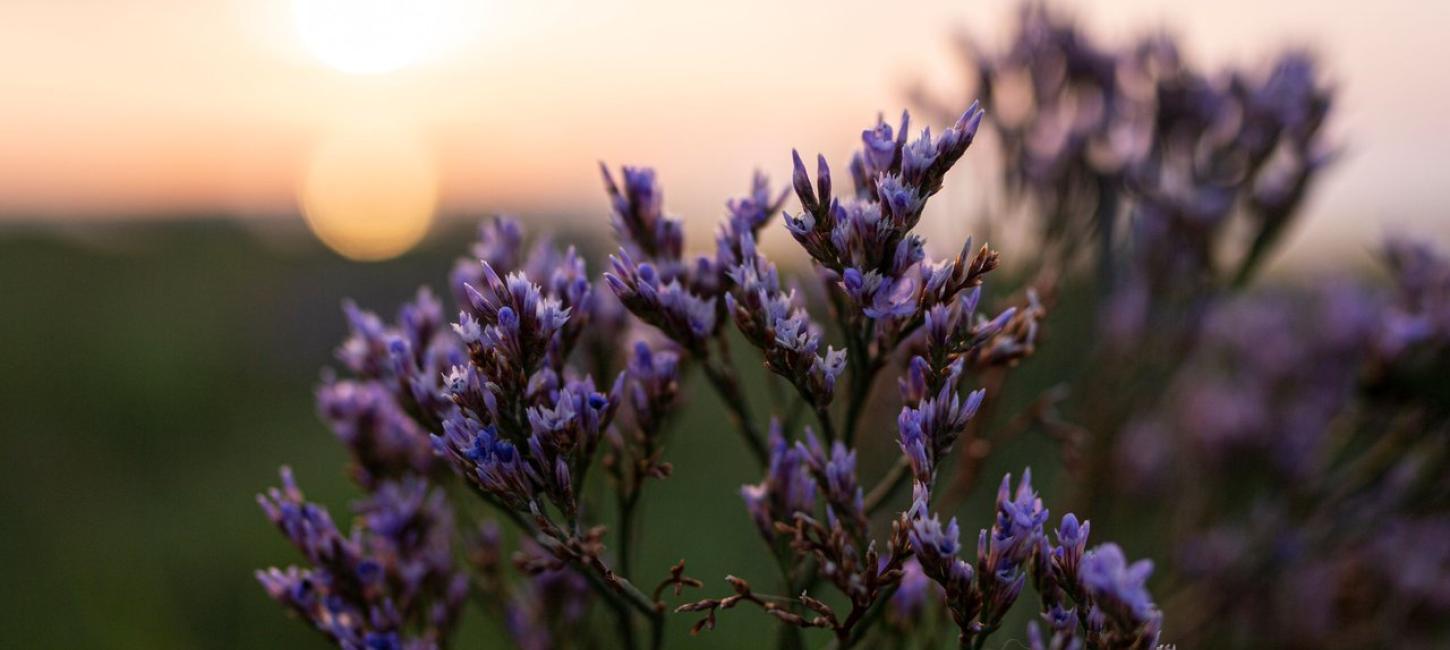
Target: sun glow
[376, 36]
[370, 191]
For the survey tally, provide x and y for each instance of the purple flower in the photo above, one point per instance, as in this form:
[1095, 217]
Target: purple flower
[392, 579]
[927, 427]
[936, 548]
[638, 215]
[835, 473]
[654, 385]
[1071, 545]
[746, 217]
[1119, 590]
[384, 440]
[908, 606]
[488, 460]
[685, 317]
[775, 322]
[786, 490]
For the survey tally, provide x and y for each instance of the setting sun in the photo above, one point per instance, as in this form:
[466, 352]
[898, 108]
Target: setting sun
[374, 36]
[370, 190]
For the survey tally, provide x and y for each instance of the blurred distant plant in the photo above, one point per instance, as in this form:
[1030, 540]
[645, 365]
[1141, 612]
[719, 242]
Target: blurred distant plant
[1304, 450]
[1175, 184]
[1300, 443]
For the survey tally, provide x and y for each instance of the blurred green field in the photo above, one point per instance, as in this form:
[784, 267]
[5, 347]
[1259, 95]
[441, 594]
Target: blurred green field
[154, 378]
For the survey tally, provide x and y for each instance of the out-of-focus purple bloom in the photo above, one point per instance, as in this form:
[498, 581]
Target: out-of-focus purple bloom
[1288, 392]
[384, 441]
[1268, 377]
[836, 474]
[745, 217]
[551, 604]
[638, 216]
[500, 244]
[1123, 608]
[908, 607]
[1420, 313]
[1064, 632]
[654, 385]
[786, 490]
[391, 581]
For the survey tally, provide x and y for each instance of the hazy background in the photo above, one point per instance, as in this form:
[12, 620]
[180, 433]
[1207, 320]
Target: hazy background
[164, 312]
[174, 108]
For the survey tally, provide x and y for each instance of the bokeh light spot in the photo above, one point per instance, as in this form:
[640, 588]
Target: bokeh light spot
[369, 191]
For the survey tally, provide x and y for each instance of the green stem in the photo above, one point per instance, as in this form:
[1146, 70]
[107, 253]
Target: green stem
[657, 633]
[823, 416]
[626, 531]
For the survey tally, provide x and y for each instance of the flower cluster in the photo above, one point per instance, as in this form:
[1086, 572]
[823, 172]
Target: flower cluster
[787, 490]
[511, 397]
[390, 583]
[650, 275]
[1119, 612]
[520, 430]
[776, 322]
[865, 243]
[383, 440]
[811, 507]
[401, 364]
[502, 398]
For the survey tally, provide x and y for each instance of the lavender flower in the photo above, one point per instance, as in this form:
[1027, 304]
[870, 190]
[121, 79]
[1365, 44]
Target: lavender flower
[1004, 551]
[979, 596]
[908, 607]
[638, 216]
[928, 429]
[776, 323]
[866, 243]
[517, 323]
[1063, 637]
[1285, 391]
[390, 583]
[1123, 613]
[787, 489]
[746, 216]
[836, 474]
[552, 601]
[937, 548]
[500, 244]
[384, 441]
[654, 386]
[685, 317]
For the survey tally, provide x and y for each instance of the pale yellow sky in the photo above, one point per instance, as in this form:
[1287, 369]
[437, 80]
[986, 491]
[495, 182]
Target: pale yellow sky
[169, 106]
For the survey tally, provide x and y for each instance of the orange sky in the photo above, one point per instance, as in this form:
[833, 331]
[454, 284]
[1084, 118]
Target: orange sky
[165, 106]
